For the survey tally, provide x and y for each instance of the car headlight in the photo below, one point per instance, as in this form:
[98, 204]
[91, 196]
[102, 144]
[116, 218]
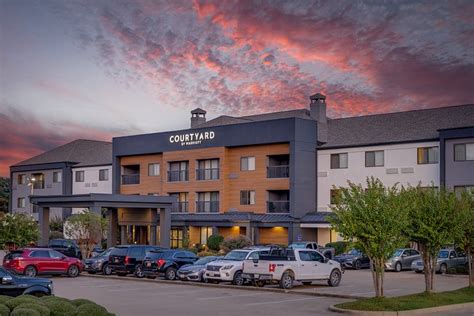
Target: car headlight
[227, 267]
[50, 285]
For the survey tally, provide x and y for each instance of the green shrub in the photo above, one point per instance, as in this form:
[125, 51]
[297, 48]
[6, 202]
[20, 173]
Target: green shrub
[206, 253]
[4, 298]
[61, 307]
[54, 234]
[81, 301]
[24, 312]
[4, 310]
[339, 246]
[91, 309]
[14, 302]
[214, 242]
[231, 243]
[46, 299]
[39, 307]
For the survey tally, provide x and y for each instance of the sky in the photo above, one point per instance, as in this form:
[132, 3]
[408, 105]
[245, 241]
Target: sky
[98, 69]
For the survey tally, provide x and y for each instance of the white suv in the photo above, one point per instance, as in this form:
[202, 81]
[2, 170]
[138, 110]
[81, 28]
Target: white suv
[230, 267]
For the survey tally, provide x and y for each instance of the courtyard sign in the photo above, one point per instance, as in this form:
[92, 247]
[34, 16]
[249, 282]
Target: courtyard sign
[191, 138]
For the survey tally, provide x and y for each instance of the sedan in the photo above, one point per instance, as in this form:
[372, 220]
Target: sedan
[195, 271]
[447, 259]
[402, 259]
[353, 259]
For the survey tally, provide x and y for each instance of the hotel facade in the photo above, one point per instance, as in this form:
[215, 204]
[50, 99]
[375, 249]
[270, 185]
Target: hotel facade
[272, 176]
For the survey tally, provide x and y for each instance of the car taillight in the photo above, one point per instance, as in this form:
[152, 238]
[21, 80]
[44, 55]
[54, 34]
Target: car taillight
[160, 262]
[127, 259]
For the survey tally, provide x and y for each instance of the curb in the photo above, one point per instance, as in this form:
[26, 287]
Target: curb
[421, 311]
[223, 286]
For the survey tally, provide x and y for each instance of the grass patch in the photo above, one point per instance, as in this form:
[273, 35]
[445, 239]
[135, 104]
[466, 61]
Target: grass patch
[414, 301]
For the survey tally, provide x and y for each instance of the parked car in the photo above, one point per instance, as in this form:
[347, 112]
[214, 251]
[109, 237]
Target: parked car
[13, 285]
[328, 252]
[67, 247]
[195, 271]
[230, 267]
[402, 259]
[99, 263]
[166, 262]
[289, 265]
[35, 261]
[447, 259]
[128, 259]
[353, 259]
[97, 250]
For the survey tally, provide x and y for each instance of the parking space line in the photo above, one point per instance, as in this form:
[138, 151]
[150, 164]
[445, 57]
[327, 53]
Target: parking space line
[284, 301]
[230, 296]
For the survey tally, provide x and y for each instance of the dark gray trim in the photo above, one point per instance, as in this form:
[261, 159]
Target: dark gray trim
[379, 144]
[39, 167]
[10, 206]
[94, 165]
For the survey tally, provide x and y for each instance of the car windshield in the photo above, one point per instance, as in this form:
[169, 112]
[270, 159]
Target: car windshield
[354, 252]
[236, 255]
[397, 253]
[298, 245]
[204, 261]
[105, 253]
[443, 254]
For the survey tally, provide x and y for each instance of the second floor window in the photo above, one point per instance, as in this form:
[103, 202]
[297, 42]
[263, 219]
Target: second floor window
[247, 163]
[21, 203]
[374, 158]
[247, 197]
[178, 171]
[79, 176]
[104, 175]
[153, 169]
[463, 152]
[427, 155]
[182, 201]
[207, 169]
[38, 180]
[339, 161]
[207, 202]
[22, 179]
[57, 176]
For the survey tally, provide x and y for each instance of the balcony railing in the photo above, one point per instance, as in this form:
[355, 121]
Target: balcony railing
[278, 206]
[130, 179]
[178, 175]
[38, 185]
[278, 171]
[207, 206]
[207, 174]
[180, 207]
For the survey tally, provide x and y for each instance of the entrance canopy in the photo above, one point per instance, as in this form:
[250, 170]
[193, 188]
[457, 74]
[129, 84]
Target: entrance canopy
[96, 201]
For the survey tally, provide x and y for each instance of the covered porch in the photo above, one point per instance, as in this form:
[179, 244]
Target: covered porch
[158, 209]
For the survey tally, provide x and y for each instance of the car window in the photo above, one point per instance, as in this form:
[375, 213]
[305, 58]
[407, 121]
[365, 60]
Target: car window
[40, 254]
[305, 256]
[190, 255]
[55, 254]
[119, 251]
[236, 255]
[415, 252]
[13, 254]
[452, 254]
[179, 254]
[136, 252]
[255, 254]
[316, 257]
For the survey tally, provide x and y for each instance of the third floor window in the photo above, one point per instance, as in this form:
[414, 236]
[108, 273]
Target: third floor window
[427, 155]
[178, 171]
[153, 169]
[207, 169]
[374, 158]
[339, 161]
[79, 176]
[463, 152]
[247, 163]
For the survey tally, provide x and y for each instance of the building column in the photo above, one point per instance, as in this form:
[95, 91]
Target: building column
[43, 220]
[294, 233]
[215, 230]
[248, 231]
[165, 227]
[97, 210]
[154, 219]
[255, 236]
[112, 222]
[123, 234]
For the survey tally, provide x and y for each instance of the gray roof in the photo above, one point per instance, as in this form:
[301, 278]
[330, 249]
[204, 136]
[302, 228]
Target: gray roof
[82, 152]
[232, 217]
[316, 217]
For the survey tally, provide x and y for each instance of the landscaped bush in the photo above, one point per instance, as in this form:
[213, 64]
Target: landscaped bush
[91, 309]
[206, 253]
[81, 301]
[4, 310]
[14, 302]
[55, 234]
[339, 246]
[61, 308]
[4, 298]
[24, 312]
[231, 243]
[40, 308]
[214, 242]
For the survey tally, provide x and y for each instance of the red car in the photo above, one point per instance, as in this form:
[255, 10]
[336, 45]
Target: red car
[34, 261]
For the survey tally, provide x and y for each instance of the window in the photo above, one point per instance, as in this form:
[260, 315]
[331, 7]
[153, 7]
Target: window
[21, 202]
[55, 254]
[207, 202]
[205, 232]
[178, 171]
[427, 155]
[374, 158]
[207, 169]
[182, 201]
[247, 163]
[57, 176]
[153, 169]
[176, 238]
[463, 152]
[335, 194]
[38, 180]
[104, 175]
[22, 179]
[79, 176]
[247, 197]
[40, 254]
[339, 161]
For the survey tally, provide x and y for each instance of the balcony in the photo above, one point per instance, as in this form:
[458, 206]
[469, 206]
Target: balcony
[130, 179]
[178, 175]
[207, 206]
[180, 207]
[278, 171]
[278, 206]
[207, 174]
[38, 185]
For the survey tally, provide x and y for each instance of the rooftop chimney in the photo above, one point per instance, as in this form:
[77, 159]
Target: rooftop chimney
[198, 116]
[318, 113]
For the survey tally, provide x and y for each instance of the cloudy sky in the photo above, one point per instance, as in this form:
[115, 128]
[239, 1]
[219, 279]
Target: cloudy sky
[98, 69]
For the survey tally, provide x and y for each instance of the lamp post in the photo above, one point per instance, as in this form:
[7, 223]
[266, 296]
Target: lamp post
[31, 183]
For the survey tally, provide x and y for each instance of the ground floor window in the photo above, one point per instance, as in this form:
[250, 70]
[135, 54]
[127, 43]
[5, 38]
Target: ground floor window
[176, 238]
[205, 232]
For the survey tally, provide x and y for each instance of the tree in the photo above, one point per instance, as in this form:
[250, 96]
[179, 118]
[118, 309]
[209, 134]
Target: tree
[4, 194]
[87, 228]
[373, 219]
[464, 235]
[432, 224]
[18, 229]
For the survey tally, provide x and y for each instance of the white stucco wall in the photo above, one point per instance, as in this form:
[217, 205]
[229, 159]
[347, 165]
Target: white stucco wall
[396, 158]
[91, 182]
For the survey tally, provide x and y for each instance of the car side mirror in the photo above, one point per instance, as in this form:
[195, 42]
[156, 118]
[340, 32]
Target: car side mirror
[326, 259]
[7, 280]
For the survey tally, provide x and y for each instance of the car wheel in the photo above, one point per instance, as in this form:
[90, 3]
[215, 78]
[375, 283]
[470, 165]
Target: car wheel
[443, 269]
[286, 281]
[334, 278]
[398, 267]
[357, 265]
[106, 270]
[139, 271]
[73, 271]
[238, 279]
[30, 271]
[307, 283]
[170, 273]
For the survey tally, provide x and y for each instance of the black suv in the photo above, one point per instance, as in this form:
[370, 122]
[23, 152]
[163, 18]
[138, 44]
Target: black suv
[13, 285]
[166, 262]
[67, 247]
[128, 259]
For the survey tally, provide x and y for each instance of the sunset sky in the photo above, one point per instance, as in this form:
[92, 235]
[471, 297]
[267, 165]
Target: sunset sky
[97, 69]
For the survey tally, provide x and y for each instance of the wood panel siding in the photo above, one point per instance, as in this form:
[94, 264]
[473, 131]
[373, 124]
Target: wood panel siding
[273, 235]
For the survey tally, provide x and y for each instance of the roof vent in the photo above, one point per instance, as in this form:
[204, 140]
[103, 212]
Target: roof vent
[198, 116]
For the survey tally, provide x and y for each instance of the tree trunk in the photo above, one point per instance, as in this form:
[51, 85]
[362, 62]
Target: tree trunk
[373, 269]
[427, 269]
[433, 271]
[469, 267]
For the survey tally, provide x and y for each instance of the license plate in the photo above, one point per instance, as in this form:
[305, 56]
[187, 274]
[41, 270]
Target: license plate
[116, 260]
[217, 275]
[256, 276]
[148, 264]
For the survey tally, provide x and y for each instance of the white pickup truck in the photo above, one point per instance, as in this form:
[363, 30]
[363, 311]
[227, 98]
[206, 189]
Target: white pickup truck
[284, 266]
